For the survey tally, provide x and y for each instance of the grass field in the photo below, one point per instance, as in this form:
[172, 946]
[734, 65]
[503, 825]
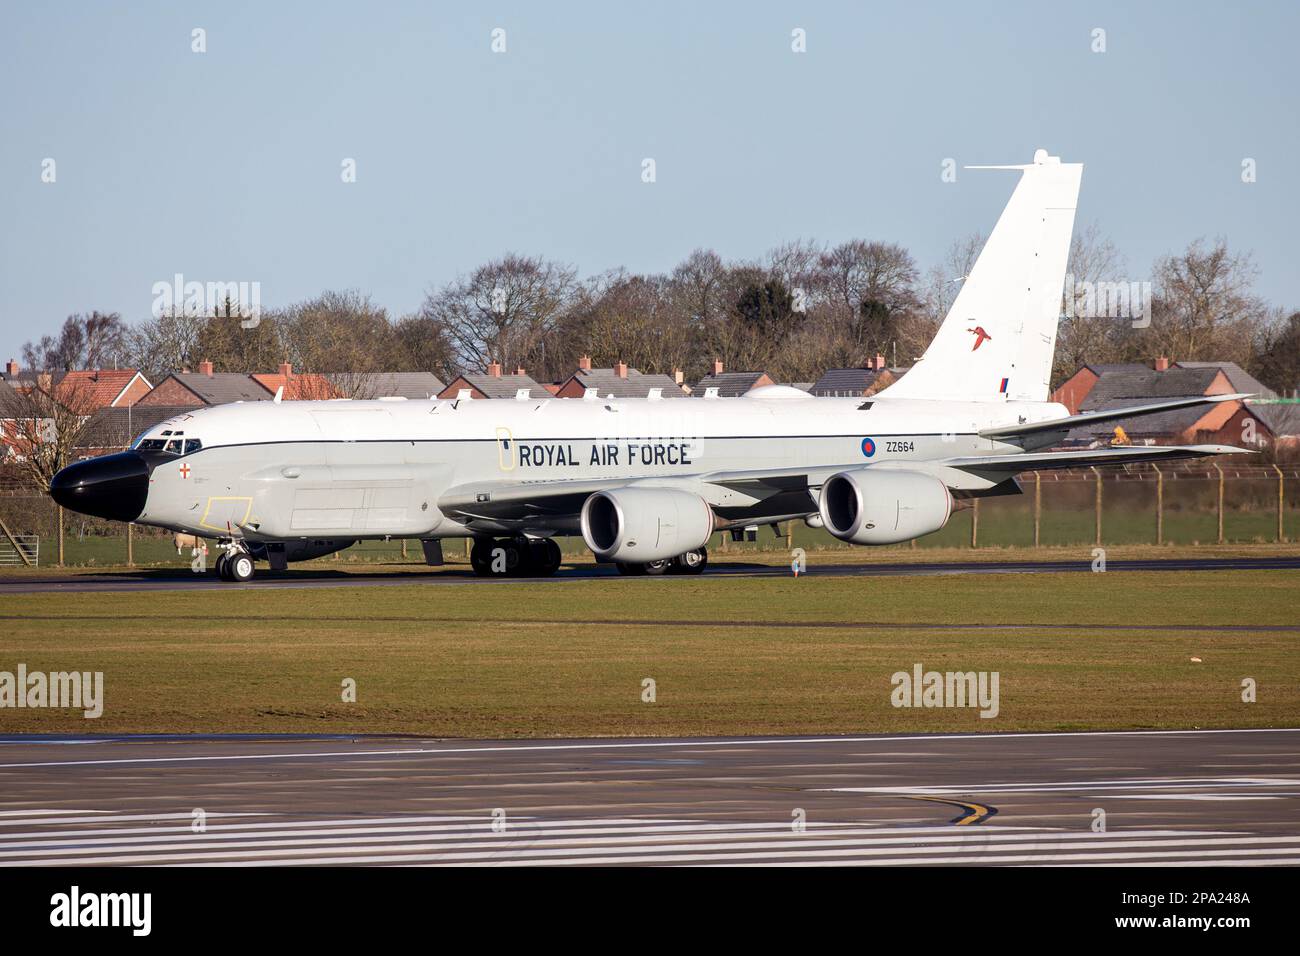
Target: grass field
[727, 655]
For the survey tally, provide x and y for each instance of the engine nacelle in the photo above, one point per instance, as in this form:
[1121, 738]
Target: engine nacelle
[645, 524]
[878, 506]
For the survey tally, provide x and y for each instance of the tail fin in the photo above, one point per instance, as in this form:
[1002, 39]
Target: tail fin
[996, 342]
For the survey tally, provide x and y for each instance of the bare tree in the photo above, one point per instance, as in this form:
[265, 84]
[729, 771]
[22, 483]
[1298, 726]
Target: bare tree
[97, 340]
[51, 420]
[506, 311]
[1204, 306]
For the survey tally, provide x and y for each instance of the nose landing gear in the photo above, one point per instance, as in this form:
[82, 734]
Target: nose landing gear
[234, 564]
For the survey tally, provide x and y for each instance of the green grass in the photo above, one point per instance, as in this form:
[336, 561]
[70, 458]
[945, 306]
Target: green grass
[728, 655]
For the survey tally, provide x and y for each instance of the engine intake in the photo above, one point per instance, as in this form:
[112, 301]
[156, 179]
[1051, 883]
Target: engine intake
[645, 524]
[876, 506]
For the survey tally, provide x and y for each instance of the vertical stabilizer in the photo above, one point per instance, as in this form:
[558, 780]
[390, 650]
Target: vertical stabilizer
[996, 342]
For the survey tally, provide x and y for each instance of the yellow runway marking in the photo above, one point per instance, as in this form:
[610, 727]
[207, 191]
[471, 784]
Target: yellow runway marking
[975, 812]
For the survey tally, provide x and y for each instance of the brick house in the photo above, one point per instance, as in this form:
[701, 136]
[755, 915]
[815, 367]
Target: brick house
[492, 384]
[619, 381]
[206, 387]
[730, 384]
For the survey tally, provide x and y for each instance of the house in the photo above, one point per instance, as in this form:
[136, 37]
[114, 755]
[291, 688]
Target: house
[1238, 378]
[730, 384]
[620, 381]
[856, 382]
[1076, 388]
[1165, 380]
[206, 387]
[11, 411]
[300, 387]
[98, 388]
[492, 384]
[1261, 424]
[1118, 386]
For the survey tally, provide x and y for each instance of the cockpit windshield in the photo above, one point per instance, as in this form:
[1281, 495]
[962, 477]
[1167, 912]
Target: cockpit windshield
[169, 441]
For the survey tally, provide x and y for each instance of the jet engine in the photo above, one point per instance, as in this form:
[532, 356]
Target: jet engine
[875, 506]
[638, 525]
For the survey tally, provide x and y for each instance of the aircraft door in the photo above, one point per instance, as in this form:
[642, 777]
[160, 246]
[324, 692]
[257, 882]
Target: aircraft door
[505, 449]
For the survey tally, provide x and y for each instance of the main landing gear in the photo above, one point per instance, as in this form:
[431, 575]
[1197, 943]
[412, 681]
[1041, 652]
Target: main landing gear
[692, 562]
[515, 557]
[235, 565]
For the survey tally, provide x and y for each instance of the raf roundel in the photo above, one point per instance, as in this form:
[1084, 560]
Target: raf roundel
[868, 447]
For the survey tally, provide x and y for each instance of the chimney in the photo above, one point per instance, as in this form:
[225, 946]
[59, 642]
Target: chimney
[584, 363]
[205, 368]
[520, 371]
[11, 369]
[620, 369]
[717, 366]
[679, 376]
[879, 362]
[1162, 364]
[286, 369]
[494, 369]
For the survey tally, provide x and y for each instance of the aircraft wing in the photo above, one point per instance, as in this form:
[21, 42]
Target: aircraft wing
[1042, 434]
[554, 504]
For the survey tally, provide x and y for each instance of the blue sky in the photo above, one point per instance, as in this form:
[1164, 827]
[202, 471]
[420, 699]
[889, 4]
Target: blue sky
[226, 165]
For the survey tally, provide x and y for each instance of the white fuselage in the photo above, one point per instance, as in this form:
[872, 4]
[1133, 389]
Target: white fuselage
[370, 469]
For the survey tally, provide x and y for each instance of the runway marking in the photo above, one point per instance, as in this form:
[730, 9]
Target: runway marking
[624, 745]
[1160, 783]
[482, 845]
[975, 814]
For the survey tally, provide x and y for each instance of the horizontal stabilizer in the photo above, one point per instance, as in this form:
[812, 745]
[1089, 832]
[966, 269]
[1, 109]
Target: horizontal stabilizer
[1115, 455]
[1052, 431]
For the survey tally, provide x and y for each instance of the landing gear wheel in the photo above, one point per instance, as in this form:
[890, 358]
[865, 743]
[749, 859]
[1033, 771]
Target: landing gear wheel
[692, 562]
[240, 568]
[480, 557]
[221, 566]
[657, 567]
[629, 569]
[489, 554]
[545, 558]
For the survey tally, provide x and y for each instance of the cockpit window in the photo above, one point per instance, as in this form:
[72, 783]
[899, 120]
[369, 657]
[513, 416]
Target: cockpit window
[170, 442]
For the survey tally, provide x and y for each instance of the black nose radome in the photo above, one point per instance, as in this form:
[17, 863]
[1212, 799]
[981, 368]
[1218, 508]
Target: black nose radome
[112, 486]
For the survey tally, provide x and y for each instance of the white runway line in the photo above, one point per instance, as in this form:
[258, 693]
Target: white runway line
[471, 841]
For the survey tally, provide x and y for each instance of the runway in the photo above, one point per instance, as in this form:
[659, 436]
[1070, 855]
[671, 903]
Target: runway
[181, 579]
[1190, 798]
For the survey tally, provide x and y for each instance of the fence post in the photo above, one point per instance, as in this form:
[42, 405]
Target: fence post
[130, 546]
[1160, 505]
[1038, 504]
[1220, 471]
[403, 549]
[1281, 498]
[975, 523]
[1098, 508]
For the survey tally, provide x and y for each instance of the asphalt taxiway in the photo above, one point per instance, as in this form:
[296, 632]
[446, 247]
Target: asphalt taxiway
[1178, 798]
[172, 579]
